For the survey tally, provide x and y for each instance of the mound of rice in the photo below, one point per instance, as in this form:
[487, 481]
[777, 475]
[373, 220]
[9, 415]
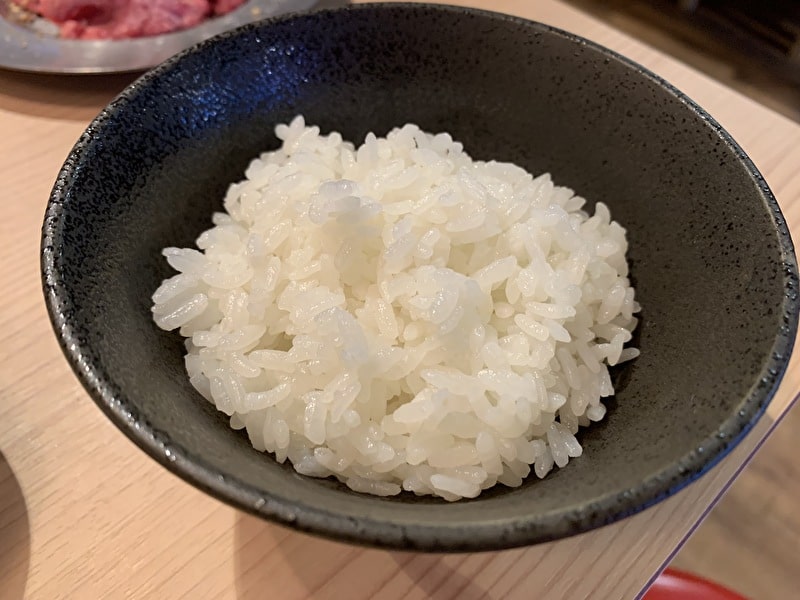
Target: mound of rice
[400, 316]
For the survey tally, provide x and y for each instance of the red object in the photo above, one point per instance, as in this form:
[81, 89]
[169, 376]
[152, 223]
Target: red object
[118, 19]
[679, 585]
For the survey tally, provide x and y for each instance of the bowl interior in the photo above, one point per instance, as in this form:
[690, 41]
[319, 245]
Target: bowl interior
[710, 257]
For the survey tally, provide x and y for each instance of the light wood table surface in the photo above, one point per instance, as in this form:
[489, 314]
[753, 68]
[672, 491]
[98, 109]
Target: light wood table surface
[85, 514]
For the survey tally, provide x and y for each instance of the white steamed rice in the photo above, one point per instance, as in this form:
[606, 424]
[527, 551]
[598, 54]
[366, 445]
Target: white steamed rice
[400, 316]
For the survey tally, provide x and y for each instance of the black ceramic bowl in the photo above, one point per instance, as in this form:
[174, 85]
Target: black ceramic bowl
[711, 257]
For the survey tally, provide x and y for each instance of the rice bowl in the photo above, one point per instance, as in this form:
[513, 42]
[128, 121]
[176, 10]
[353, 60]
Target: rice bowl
[167, 150]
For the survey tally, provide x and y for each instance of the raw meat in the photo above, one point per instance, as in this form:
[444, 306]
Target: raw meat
[117, 19]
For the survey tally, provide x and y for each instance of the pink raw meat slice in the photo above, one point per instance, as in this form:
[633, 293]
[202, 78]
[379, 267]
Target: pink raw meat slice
[135, 18]
[222, 7]
[59, 11]
[116, 19]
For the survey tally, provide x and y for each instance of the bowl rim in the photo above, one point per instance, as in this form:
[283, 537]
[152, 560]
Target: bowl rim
[535, 528]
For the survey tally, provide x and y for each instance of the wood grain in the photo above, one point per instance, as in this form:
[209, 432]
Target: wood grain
[84, 514]
[751, 540]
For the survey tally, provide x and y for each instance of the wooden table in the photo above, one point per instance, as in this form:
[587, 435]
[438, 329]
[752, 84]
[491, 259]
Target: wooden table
[85, 514]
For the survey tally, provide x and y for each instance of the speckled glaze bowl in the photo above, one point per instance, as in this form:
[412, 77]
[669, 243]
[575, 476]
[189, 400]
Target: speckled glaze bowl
[710, 254]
